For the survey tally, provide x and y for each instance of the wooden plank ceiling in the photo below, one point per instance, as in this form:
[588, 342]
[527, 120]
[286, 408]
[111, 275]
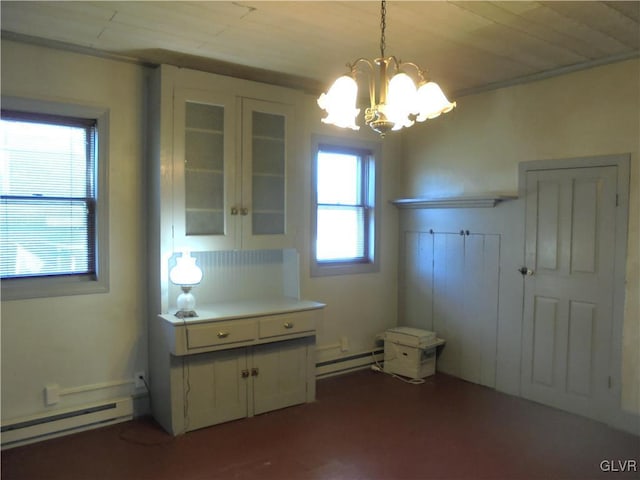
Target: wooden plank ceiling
[466, 46]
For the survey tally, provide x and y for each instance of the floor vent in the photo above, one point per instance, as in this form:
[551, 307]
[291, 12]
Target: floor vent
[63, 422]
[351, 363]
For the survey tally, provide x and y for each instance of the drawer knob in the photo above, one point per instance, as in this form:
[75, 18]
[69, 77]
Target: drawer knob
[288, 325]
[223, 334]
[245, 373]
[255, 372]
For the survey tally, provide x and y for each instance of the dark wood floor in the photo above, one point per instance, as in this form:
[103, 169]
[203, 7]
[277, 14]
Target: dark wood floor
[364, 425]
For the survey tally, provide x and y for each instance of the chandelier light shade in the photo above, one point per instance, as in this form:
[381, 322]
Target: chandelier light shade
[395, 101]
[186, 274]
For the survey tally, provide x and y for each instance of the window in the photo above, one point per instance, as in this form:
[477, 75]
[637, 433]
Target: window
[344, 208]
[50, 223]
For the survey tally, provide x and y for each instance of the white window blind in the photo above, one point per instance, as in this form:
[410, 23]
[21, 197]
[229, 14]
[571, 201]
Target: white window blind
[342, 206]
[48, 195]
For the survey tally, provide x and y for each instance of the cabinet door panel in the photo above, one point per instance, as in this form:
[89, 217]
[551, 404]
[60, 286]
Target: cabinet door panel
[215, 390]
[266, 145]
[281, 378]
[203, 170]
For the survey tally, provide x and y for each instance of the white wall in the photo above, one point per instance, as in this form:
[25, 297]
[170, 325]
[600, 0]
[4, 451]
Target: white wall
[93, 340]
[476, 149]
[83, 340]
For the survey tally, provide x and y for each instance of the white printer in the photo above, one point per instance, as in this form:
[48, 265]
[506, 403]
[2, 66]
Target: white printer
[410, 352]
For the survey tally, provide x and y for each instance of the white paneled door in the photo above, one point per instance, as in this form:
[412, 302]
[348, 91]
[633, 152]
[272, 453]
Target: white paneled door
[568, 305]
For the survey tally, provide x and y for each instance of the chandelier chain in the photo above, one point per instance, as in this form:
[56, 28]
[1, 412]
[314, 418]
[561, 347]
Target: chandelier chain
[383, 26]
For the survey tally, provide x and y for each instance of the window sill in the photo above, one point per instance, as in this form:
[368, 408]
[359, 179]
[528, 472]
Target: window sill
[331, 269]
[26, 288]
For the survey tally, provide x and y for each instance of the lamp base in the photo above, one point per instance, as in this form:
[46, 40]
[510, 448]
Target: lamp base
[186, 303]
[186, 314]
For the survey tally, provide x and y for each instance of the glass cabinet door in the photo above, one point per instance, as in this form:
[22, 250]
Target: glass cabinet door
[203, 171]
[264, 162]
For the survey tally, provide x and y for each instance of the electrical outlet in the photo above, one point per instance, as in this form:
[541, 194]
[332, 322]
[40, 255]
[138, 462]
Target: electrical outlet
[139, 379]
[344, 344]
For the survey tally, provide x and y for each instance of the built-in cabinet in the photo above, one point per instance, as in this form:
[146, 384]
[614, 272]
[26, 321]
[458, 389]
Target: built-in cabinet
[234, 360]
[223, 180]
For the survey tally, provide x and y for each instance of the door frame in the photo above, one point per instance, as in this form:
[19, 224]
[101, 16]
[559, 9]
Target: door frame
[614, 413]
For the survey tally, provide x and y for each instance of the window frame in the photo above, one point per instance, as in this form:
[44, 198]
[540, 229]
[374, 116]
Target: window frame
[70, 284]
[370, 154]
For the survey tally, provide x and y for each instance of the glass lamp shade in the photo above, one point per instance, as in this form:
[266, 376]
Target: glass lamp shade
[340, 103]
[186, 272]
[401, 101]
[432, 102]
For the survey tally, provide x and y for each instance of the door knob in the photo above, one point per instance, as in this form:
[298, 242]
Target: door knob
[525, 271]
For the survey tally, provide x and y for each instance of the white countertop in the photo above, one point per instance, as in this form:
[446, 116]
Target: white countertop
[243, 309]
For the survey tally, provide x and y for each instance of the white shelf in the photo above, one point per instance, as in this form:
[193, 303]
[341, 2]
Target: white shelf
[489, 201]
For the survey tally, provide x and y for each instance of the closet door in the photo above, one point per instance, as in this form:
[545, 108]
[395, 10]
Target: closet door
[465, 304]
[416, 281]
[449, 299]
[480, 330]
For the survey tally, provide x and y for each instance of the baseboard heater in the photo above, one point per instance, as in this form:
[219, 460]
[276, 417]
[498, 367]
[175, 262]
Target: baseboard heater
[350, 363]
[63, 422]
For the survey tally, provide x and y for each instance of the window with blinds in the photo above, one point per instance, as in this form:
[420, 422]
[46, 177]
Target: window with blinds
[344, 208]
[48, 196]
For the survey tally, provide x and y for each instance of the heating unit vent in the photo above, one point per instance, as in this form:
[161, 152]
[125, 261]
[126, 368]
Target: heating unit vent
[351, 363]
[64, 422]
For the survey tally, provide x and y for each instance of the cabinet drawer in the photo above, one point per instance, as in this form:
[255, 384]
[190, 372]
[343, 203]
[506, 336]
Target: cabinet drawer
[288, 323]
[221, 333]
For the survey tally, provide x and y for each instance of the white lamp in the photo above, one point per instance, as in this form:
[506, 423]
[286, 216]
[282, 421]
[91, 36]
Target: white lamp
[186, 274]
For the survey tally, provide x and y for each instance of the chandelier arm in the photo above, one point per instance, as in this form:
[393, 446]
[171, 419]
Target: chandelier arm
[421, 73]
[354, 65]
[371, 79]
[393, 60]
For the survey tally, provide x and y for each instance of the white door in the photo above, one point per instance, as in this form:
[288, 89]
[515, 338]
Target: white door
[465, 304]
[568, 306]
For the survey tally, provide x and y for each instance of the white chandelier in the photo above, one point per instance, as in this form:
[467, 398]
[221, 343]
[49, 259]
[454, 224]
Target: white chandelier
[399, 102]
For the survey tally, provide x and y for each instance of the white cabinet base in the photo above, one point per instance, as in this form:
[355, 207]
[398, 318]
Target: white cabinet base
[246, 359]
